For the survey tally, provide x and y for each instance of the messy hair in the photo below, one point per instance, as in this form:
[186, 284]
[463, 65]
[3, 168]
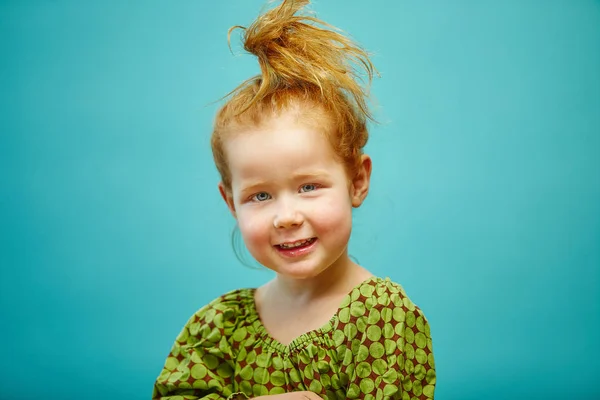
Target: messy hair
[307, 66]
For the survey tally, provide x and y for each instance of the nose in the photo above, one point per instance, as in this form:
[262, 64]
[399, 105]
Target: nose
[287, 215]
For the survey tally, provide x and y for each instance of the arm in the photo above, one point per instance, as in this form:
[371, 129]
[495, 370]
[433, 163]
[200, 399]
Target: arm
[419, 366]
[394, 358]
[199, 365]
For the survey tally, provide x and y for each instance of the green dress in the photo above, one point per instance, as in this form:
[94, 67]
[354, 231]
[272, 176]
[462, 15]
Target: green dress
[376, 346]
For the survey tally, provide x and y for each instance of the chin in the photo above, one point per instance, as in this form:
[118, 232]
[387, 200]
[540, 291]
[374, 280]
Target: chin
[301, 272]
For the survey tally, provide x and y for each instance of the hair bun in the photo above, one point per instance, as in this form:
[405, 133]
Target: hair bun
[300, 50]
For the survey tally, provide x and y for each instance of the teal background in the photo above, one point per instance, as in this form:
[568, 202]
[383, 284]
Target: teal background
[485, 200]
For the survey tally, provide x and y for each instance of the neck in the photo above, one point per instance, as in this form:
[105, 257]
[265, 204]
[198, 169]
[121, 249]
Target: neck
[336, 279]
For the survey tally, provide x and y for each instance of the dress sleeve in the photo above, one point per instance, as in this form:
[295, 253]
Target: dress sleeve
[200, 364]
[393, 356]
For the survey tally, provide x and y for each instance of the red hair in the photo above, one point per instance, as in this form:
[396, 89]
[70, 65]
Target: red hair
[306, 66]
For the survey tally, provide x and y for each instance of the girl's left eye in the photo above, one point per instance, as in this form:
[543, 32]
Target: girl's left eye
[309, 187]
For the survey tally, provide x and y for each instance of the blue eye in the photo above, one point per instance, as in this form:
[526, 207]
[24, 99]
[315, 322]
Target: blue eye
[309, 187]
[262, 196]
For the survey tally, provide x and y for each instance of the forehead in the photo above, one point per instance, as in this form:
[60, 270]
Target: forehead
[280, 147]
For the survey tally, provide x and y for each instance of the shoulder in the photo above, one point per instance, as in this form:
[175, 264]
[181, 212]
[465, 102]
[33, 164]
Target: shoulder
[220, 317]
[226, 304]
[377, 292]
[381, 300]
[379, 314]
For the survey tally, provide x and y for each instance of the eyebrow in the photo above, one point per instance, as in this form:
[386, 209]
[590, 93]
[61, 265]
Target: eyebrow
[251, 186]
[310, 175]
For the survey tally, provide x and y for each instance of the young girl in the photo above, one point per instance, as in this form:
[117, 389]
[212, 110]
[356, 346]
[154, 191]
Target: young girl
[288, 146]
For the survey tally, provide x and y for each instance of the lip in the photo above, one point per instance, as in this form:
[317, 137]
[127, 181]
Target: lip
[297, 251]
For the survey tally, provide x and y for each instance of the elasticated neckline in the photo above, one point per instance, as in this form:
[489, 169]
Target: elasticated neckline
[314, 336]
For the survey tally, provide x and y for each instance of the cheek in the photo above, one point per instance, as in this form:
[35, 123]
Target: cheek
[254, 228]
[335, 216]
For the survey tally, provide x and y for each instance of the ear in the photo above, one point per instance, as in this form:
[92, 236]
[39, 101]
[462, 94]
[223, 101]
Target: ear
[226, 194]
[361, 182]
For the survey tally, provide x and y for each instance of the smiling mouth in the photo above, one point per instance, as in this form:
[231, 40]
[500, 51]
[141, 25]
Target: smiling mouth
[296, 244]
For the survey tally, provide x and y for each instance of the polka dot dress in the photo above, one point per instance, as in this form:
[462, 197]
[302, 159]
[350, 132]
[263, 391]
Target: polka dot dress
[376, 346]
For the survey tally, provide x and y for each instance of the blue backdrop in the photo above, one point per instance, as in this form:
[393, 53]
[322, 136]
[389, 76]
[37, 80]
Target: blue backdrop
[485, 203]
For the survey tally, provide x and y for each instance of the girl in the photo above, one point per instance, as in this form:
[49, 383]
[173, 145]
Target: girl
[288, 147]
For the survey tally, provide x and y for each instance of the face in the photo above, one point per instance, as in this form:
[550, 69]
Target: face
[291, 197]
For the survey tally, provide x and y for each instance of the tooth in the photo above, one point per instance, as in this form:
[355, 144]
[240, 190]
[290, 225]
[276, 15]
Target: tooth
[295, 244]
